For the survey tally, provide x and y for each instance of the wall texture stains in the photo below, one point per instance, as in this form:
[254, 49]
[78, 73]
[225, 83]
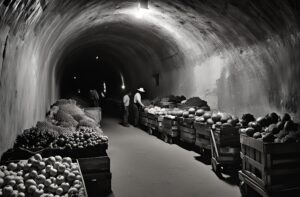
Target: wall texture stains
[242, 56]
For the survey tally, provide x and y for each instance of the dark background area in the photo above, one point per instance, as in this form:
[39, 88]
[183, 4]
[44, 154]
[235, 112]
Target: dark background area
[91, 72]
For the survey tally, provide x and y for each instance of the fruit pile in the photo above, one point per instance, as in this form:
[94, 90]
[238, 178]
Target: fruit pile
[82, 138]
[272, 128]
[216, 119]
[41, 177]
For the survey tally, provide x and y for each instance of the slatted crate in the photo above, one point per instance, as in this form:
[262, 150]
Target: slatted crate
[270, 168]
[152, 121]
[170, 127]
[160, 124]
[143, 119]
[74, 153]
[227, 136]
[97, 176]
[202, 135]
[187, 134]
[186, 122]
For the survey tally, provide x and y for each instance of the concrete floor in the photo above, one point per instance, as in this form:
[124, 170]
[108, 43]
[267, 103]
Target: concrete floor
[144, 166]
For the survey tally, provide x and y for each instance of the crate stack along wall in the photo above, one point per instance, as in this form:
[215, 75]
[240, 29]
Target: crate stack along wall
[71, 133]
[264, 149]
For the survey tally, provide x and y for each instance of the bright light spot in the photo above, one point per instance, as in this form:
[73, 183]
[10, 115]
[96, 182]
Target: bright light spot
[75, 77]
[141, 12]
[79, 91]
[97, 57]
[104, 87]
[123, 82]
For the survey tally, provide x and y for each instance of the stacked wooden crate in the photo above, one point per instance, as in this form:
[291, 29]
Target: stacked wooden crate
[269, 168]
[187, 130]
[170, 129]
[202, 136]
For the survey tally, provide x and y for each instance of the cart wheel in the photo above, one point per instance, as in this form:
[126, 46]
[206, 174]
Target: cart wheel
[216, 168]
[247, 191]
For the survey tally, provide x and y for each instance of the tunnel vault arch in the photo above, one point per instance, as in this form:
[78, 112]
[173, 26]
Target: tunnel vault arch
[227, 52]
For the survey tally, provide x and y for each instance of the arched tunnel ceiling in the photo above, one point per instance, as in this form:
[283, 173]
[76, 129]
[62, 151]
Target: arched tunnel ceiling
[240, 55]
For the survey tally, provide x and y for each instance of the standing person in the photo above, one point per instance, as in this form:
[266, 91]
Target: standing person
[94, 98]
[137, 105]
[126, 103]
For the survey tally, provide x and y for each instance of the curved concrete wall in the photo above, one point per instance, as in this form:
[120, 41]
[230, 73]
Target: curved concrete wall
[240, 56]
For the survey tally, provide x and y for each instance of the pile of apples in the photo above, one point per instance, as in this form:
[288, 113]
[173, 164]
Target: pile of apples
[41, 177]
[82, 138]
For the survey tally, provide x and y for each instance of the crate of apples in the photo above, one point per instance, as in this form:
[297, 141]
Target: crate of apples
[42, 177]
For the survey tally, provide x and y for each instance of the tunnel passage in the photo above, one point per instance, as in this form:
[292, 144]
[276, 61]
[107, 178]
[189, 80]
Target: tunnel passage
[135, 51]
[241, 56]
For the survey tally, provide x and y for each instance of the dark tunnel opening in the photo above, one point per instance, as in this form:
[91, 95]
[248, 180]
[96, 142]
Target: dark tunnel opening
[122, 56]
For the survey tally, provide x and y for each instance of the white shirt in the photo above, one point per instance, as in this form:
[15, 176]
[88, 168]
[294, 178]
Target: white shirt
[138, 99]
[126, 100]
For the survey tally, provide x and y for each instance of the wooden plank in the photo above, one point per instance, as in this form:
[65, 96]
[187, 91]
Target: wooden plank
[98, 184]
[256, 144]
[94, 164]
[281, 148]
[252, 162]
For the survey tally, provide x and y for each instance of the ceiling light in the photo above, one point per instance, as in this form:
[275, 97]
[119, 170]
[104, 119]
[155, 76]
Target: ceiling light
[142, 9]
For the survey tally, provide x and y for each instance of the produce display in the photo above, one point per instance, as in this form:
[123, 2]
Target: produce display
[82, 138]
[217, 119]
[196, 102]
[41, 177]
[273, 128]
[66, 126]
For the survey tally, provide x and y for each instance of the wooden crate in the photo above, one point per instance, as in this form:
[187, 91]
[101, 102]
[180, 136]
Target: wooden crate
[143, 119]
[202, 128]
[203, 142]
[97, 175]
[273, 167]
[98, 184]
[227, 136]
[76, 153]
[20, 154]
[170, 127]
[152, 121]
[187, 134]
[186, 122]
[95, 164]
[160, 123]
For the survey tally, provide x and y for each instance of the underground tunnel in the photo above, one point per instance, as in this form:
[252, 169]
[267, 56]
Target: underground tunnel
[239, 56]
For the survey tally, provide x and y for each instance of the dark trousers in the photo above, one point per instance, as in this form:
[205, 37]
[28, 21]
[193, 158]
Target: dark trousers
[125, 115]
[136, 114]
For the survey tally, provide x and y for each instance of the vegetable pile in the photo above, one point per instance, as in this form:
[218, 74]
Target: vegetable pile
[196, 102]
[217, 119]
[272, 128]
[41, 177]
[67, 126]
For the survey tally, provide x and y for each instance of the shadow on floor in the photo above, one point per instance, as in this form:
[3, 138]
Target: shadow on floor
[232, 179]
[203, 159]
